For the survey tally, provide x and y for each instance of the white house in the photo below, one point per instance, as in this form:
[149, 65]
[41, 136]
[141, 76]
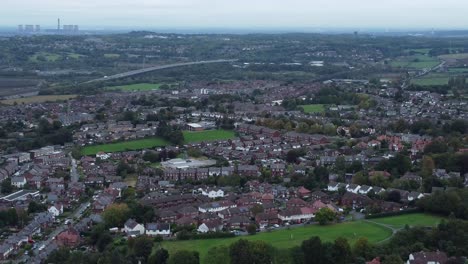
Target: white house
[365, 189]
[354, 188]
[56, 209]
[296, 214]
[212, 193]
[18, 181]
[210, 226]
[132, 228]
[415, 196]
[154, 229]
[332, 187]
[216, 206]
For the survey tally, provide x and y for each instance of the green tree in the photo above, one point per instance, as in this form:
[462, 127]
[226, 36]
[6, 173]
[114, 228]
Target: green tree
[362, 248]
[160, 257]
[325, 215]
[184, 257]
[217, 255]
[7, 187]
[392, 259]
[312, 250]
[252, 229]
[142, 247]
[115, 215]
[342, 251]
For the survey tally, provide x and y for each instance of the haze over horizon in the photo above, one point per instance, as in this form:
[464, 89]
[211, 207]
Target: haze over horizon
[396, 14]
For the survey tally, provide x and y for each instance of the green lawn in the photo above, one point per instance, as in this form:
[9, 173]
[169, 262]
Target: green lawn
[283, 239]
[313, 108]
[208, 135]
[419, 219]
[136, 87]
[458, 56]
[290, 238]
[126, 145]
[428, 80]
[111, 56]
[50, 57]
[75, 56]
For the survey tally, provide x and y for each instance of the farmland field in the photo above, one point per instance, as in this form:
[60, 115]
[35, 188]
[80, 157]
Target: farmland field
[125, 145]
[38, 99]
[283, 239]
[313, 108]
[458, 56]
[427, 81]
[207, 135]
[135, 87]
[415, 62]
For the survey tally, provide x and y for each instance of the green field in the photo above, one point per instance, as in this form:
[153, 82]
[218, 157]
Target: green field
[208, 135]
[49, 57]
[284, 239]
[124, 146]
[313, 108]
[458, 70]
[75, 56]
[135, 87]
[111, 56]
[409, 219]
[38, 99]
[428, 81]
[290, 238]
[415, 62]
[458, 56]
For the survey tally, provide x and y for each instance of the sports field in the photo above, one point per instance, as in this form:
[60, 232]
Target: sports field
[38, 99]
[136, 87]
[208, 135]
[50, 57]
[313, 108]
[111, 56]
[124, 146]
[283, 239]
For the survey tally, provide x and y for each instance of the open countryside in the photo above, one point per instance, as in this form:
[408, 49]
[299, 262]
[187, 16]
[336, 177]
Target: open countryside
[288, 238]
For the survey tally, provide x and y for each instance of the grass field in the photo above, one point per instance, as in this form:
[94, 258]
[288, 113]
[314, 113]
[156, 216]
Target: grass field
[111, 56]
[284, 239]
[135, 87]
[427, 81]
[458, 70]
[50, 57]
[75, 55]
[208, 135]
[415, 62]
[458, 56]
[409, 219]
[126, 145]
[313, 108]
[38, 99]
[290, 238]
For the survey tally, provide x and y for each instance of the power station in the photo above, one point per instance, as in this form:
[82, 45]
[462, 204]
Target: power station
[34, 29]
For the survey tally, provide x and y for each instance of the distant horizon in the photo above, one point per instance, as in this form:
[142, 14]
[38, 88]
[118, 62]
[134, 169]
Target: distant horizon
[259, 29]
[243, 14]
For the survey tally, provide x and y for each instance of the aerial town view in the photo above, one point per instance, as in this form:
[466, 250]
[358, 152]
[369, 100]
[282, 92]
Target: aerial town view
[232, 132]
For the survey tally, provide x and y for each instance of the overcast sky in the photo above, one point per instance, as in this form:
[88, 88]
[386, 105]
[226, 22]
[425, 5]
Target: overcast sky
[238, 13]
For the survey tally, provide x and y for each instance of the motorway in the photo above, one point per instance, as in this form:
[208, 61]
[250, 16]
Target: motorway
[154, 68]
